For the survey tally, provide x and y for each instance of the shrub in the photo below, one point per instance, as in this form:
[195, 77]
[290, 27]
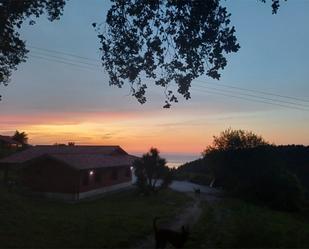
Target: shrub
[151, 172]
[257, 174]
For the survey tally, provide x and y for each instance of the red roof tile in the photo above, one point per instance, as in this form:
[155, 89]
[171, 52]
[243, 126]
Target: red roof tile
[66, 151]
[92, 161]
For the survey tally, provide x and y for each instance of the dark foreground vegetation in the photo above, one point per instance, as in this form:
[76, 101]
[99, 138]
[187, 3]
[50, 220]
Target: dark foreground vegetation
[116, 221]
[238, 224]
[247, 167]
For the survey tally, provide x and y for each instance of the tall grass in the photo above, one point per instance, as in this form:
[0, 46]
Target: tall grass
[237, 224]
[116, 220]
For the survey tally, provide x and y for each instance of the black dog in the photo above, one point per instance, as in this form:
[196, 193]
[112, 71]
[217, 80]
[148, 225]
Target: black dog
[164, 236]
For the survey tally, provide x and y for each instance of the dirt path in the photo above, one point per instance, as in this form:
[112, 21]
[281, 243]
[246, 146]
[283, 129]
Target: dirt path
[189, 215]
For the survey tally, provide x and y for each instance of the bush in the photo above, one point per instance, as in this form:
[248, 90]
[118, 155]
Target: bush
[152, 173]
[257, 174]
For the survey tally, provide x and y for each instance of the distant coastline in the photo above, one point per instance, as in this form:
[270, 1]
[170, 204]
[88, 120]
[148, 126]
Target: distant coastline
[176, 160]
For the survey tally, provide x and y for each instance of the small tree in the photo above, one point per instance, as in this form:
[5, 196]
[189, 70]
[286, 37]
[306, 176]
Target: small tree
[151, 168]
[21, 137]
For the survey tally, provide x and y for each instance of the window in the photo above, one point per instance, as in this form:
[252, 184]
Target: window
[114, 174]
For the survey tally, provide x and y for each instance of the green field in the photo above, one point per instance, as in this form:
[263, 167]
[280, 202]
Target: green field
[116, 220]
[237, 224]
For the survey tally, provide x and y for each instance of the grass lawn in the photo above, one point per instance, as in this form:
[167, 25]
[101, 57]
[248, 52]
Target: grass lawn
[237, 224]
[116, 220]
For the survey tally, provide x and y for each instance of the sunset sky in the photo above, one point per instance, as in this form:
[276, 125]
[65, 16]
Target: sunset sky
[57, 102]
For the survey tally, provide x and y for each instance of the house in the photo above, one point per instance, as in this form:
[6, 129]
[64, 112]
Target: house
[8, 143]
[72, 172]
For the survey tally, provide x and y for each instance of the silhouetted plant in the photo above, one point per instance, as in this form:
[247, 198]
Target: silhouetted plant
[12, 15]
[21, 137]
[235, 139]
[256, 174]
[163, 40]
[151, 172]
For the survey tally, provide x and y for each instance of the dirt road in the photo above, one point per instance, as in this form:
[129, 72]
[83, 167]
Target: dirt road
[190, 214]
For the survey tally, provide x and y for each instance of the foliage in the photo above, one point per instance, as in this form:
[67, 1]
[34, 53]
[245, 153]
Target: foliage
[167, 41]
[151, 169]
[235, 139]
[117, 220]
[21, 137]
[238, 224]
[257, 174]
[13, 13]
[296, 158]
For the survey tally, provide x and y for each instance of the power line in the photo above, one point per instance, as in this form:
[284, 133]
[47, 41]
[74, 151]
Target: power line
[63, 53]
[94, 67]
[248, 99]
[63, 62]
[63, 58]
[253, 90]
[217, 84]
[254, 96]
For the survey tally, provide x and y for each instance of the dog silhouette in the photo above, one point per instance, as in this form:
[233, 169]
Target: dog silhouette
[165, 236]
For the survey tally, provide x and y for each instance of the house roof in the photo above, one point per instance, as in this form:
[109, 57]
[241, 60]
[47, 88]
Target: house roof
[76, 156]
[8, 139]
[93, 161]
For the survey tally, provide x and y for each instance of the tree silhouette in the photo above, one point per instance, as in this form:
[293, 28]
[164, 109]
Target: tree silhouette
[21, 137]
[234, 140]
[12, 15]
[149, 169]
[169, 42]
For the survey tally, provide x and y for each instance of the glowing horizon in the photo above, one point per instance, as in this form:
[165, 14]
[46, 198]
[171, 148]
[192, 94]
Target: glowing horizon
[58, 103]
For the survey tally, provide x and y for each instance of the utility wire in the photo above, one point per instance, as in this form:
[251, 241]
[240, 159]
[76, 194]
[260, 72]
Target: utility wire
[63, 53]
[254, 96]
[94, 67]
[66, 59]
[204, 82]
[248, 99]
[63, 62]
[253, 90]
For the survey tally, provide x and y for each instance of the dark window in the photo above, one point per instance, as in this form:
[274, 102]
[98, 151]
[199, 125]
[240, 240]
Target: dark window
[98, 176]
[85, 178]
[114, 174]
[128, 172]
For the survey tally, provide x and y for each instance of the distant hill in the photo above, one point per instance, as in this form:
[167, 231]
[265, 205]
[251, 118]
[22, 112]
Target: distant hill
[195, 166]
[195, 171]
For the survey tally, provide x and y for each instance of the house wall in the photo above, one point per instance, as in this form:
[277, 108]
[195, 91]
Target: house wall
[6, 145]
[53, 179]
[50, 176]
[104, 177]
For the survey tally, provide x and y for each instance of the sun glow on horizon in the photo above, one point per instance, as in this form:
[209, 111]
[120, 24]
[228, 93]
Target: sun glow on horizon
[170, 132]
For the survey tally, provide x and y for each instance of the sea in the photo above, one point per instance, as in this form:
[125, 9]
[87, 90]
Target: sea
[176, 160]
